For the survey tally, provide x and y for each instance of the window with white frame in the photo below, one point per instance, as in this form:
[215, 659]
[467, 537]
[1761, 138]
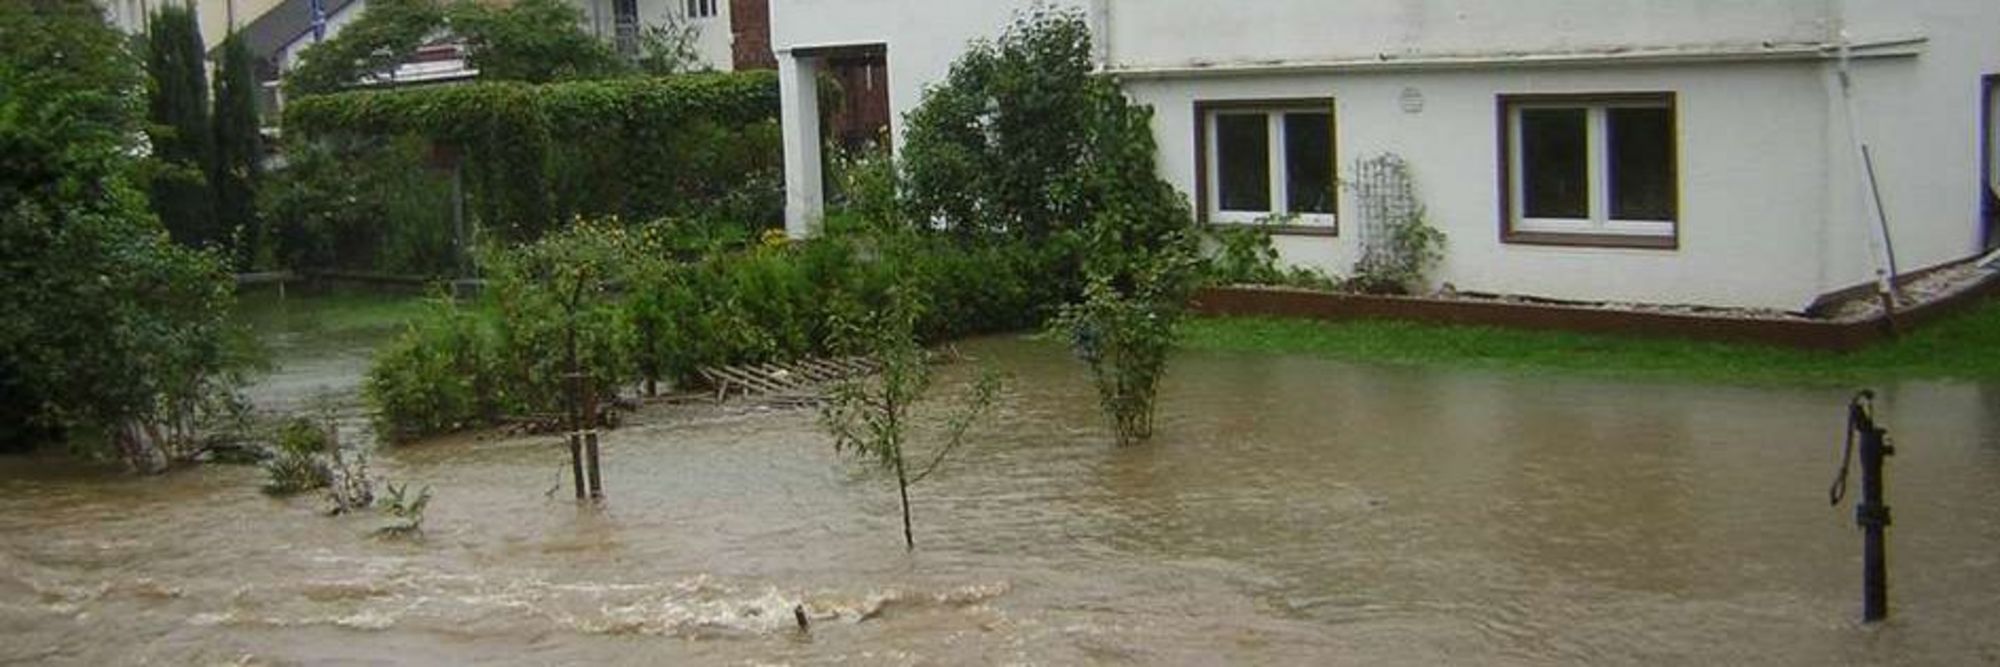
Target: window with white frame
[1590, 169]
[701, 9]
[1264, 162]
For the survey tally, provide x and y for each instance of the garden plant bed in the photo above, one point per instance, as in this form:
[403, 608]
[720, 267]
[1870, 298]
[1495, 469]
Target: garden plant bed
[1848, 325]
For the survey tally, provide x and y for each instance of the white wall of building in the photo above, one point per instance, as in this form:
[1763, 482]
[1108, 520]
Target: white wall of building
[215, 16]
[715, 41]
[1749, 176]
[1155, 33]
[923, 36]
[1770, 212]
[1920, 118]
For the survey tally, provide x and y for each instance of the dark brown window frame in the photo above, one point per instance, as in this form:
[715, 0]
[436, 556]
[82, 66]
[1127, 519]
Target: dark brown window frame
[1504, 105]
[1204, 108]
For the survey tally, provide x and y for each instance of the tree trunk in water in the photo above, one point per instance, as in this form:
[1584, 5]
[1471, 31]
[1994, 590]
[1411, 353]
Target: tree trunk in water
[903, 487]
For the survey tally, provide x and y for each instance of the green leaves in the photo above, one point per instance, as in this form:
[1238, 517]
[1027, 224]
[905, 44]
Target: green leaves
[181, 136]
[105, 324]
[536, 41]
[873, 417]
[536, 156]
[1024, 141]
[375, 43]
[237, 164]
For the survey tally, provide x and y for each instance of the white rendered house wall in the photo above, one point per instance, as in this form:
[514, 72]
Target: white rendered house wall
[1769, 213]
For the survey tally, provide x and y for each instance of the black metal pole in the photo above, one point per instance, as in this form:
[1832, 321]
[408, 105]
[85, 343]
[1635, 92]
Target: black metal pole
[1873, 516]
[590, 438]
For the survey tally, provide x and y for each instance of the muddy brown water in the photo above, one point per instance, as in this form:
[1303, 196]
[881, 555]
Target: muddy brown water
[1291, 511]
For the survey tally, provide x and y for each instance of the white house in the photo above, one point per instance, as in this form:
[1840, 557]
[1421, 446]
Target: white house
[731, 34]
[1654, 151]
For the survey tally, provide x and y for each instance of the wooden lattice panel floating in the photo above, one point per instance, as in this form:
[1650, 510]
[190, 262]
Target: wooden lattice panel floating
[800, 382]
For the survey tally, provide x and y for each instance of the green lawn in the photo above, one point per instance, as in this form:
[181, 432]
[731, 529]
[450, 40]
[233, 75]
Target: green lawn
[1965, 346]
[326, 312]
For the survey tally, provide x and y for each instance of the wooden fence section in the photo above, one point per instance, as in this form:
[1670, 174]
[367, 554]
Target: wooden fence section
[801, 382]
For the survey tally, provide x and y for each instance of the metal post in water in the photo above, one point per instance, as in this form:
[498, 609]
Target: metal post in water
[590, 438]
[1872, 513]
[575, 436]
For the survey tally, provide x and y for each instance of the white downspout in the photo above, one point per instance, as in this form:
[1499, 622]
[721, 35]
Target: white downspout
[1879, 241]
[1100, 18]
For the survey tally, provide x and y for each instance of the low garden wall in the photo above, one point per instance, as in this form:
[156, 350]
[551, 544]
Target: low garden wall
[1807, 333]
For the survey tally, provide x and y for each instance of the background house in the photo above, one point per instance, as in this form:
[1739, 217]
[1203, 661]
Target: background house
[734, 34]
[1662, 151]
[215, 16]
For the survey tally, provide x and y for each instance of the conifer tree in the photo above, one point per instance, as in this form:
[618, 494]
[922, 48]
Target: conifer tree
[238, 151]
[182, 141]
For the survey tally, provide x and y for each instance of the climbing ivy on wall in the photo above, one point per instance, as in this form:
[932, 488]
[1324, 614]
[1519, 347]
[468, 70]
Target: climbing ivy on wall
[537, 154]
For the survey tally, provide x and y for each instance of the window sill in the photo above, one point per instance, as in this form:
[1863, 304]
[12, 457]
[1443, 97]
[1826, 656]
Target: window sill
[1283, 230]
[1587, 240]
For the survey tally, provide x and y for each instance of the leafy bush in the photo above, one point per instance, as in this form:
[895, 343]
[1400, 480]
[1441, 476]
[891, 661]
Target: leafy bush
[530, 40]
[1126, 340]
[372, 46]
[109, 329]
[996, 147]
[440, 375]
[645, 313]
[360, 205]
[1024, 140]
[557, 311]
[1245, 255]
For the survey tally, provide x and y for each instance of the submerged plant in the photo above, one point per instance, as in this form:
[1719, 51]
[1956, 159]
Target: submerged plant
[298, 464]
[873, 417]
[352, 487]
[408, 509]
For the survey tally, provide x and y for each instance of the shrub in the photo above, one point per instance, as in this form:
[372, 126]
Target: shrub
[110, 332]
[995, 147]
[372, 46]
[530, 40]
[438, 376]
[644, 313]
[1245, 255]
[1024, 140]
[360, 205]
[558, 314]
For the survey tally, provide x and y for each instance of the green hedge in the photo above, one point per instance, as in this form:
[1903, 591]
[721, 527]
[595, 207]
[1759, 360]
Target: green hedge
[538, 155]
[645, 317]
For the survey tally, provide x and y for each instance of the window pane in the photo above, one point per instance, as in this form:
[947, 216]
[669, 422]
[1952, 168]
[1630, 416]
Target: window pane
[1309, 162]
[1555, 178]
[1243, 155]
[1642, 164]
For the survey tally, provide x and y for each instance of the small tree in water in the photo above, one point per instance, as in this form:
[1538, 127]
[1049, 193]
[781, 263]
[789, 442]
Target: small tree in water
[873, 416]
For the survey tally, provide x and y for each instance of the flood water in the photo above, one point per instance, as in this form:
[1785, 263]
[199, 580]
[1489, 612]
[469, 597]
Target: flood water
[1291, 510]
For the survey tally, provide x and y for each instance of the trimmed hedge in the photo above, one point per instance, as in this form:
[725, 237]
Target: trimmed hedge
[538, 155]
[465, 113]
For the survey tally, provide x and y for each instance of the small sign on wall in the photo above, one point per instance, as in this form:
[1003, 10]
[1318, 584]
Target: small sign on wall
[1412, 100]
